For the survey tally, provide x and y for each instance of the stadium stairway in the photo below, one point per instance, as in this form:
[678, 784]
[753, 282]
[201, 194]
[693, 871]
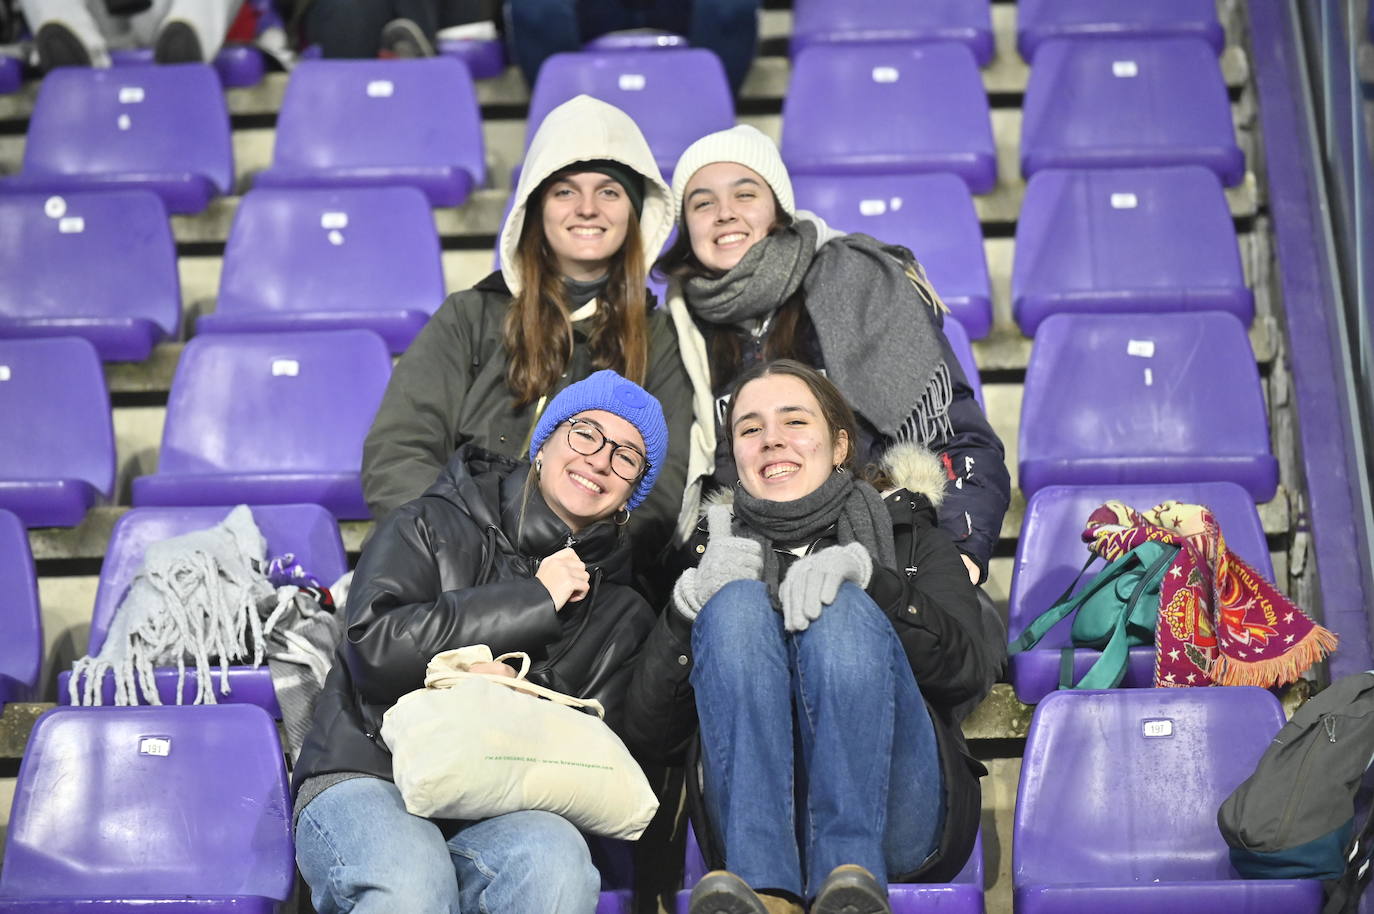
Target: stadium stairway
[68, 560]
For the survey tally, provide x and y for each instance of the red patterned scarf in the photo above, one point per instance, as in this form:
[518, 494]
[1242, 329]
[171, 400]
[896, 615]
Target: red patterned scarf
[1220, 622]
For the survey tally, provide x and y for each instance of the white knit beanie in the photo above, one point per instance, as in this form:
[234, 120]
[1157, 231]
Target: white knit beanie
[744, 145]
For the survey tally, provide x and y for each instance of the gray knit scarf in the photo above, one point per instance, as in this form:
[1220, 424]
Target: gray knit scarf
[852, 506]
[877, 332]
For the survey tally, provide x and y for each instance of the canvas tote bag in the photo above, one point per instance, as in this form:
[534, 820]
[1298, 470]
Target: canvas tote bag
[476, 745]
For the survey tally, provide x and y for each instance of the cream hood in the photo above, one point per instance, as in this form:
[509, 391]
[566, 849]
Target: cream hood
[580, 129]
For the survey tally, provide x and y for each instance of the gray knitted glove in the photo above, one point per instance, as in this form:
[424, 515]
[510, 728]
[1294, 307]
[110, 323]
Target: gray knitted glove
[813, 581]
[727, 558]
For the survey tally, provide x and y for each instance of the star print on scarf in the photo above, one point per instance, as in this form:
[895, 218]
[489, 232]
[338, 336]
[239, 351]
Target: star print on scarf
[1220, 622]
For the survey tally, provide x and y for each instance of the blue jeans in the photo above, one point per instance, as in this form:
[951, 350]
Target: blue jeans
[361, 851]
[818, 749]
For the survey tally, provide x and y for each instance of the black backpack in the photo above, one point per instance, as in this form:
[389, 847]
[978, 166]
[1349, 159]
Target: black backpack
[1294, 818]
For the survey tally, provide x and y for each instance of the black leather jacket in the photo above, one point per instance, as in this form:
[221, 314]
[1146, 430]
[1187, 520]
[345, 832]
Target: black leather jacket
[456, 567]
[934, 610]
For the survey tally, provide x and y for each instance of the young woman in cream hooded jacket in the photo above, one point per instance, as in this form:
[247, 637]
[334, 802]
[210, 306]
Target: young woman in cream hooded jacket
[591, 211]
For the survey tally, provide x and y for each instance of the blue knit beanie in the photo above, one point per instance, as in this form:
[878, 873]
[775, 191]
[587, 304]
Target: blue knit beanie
[609, 391]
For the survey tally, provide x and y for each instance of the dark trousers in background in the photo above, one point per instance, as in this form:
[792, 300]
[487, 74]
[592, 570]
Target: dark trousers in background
[537, 29]
[353, 28]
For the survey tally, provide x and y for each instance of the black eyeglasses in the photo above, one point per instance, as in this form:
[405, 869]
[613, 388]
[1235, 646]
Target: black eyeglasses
[627, 462]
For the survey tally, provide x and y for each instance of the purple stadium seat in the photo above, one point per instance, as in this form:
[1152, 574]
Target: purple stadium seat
[962, 896]
[636, 40]
[932, 215]
[173, 809]
[11, 70]
[57, 454]
[237, 65]
[676, 95]
[1112, 399]
[1050, 553]
[884, 108]
[270, 419]
[97, 264]
[1111, 240]
[21, 618]
[307, 531]
[1128, 103]
[1117, 805]
[1041, 20]
[825, 21]
[163, 128]
[376, 122]
[963, 353]
[484, 58]
[328, 259]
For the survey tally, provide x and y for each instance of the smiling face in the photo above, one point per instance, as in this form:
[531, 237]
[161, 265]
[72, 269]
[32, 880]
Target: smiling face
[586, 219]
[584, 488]
[727, 209]
[784, 447]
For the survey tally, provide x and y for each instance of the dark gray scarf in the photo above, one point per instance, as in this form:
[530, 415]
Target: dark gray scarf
[877, 333]
[852, 506]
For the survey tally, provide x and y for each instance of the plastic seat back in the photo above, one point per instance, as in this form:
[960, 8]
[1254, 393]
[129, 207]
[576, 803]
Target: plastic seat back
[1137, 239]
[57, 455]
[377, 122]
[365, 257]
[884, 108]
[1136, 398]
[102, 265]
[21, 617]
[172, 803]
[1116, 808]
[675, 95]
[1124, 103]
[270, 419]
[164, 128]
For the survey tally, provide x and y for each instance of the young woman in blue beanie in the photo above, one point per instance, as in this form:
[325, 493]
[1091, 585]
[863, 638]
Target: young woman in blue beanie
[817, 652]
[590, 212]
[519, 555]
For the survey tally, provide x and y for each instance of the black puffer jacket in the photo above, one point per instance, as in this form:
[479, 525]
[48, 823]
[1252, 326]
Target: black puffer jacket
[456, 567]
[934, 610]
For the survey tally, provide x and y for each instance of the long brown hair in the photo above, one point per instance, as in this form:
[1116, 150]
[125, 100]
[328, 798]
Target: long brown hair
[835, 410]
[538, 333]
[791, 328]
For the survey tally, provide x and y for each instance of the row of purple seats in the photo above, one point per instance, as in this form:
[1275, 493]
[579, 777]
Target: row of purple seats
[970, 22]
[166, 128]
[1116, 806]
[193, 810]
[920, 107]
[259, 418]
[21, 619]
[307, 531]
[102, 265]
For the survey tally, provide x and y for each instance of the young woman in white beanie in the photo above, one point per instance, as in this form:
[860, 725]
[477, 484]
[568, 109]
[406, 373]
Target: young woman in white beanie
[753, 278]
[590, 211]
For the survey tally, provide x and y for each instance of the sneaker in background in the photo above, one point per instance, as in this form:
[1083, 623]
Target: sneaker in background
[177, 42]
[58, 46]
[403, 38]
